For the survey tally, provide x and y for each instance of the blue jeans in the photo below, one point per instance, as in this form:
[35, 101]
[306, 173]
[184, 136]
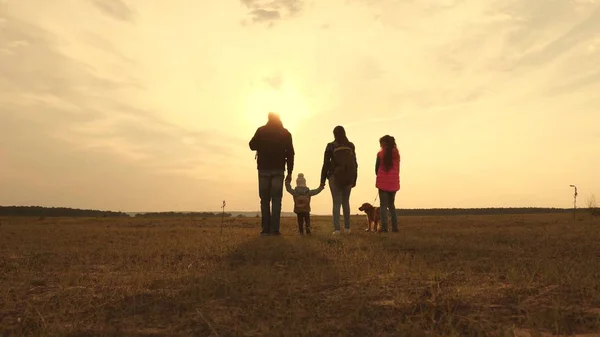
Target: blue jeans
[341, 197]
[386, 201]
[270, 190]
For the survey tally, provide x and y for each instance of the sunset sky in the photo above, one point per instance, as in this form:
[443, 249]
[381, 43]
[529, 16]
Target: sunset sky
[138, 105]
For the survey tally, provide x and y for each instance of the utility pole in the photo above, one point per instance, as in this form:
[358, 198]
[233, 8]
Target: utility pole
[574, 200]
[222, 216]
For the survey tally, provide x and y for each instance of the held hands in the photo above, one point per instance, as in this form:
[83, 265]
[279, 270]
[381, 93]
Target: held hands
[288, 178]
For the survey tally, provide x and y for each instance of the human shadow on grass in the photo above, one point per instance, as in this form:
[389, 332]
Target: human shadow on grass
[283, 286]
[265, 284]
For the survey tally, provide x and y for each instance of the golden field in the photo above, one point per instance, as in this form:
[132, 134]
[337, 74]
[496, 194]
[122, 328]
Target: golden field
[501, 275]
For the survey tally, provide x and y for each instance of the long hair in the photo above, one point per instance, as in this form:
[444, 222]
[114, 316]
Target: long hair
[339, 134]
[388, 143]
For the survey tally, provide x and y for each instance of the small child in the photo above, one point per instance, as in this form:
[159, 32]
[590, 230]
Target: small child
[302, 195]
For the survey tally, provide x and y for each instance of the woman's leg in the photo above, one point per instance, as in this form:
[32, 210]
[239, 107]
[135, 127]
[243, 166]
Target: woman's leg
[346, 206]
[337, 202]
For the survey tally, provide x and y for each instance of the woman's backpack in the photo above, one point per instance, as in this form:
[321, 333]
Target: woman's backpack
[344, 165]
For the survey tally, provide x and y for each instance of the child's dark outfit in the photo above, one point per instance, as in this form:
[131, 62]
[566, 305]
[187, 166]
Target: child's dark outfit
[302, 195]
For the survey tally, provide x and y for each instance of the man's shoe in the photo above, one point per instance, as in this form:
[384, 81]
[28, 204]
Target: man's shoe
[263, 233]
[275, 233]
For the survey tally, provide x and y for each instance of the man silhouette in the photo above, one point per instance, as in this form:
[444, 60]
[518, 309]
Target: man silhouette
[274, 149]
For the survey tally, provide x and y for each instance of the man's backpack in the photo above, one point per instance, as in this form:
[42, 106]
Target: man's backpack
[344, 165]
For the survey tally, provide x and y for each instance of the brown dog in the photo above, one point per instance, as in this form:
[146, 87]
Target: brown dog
[372, 216]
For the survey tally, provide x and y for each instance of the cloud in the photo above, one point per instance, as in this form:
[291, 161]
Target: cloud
[32, 63]
[264, 15]
[72, 105]
[272, 10]
[565, 42]
[474, 62]
[274, 81]
[116, 9]
[576, 84]
[368, 68]
[155, 142]
[40, 170]
[106, 46]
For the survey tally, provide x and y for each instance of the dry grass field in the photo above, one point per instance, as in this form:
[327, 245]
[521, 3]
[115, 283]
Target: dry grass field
[522, 275]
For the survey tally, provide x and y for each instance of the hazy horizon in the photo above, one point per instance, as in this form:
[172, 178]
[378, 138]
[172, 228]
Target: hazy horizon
[123, 105]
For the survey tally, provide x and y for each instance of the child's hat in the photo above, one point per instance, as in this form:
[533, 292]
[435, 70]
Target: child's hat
[300, 181]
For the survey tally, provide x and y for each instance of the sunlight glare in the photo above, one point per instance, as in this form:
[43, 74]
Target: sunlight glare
[291, 106]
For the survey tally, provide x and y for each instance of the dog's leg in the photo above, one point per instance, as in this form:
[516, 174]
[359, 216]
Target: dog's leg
[368, 225]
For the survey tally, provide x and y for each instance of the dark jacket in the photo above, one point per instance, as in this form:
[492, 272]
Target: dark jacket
[274, 147]
[327, 169]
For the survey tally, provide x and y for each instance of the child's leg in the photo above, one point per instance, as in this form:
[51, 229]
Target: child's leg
[300, 223]
[307, 219]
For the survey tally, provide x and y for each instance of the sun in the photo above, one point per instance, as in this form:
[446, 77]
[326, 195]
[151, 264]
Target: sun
[286, 101]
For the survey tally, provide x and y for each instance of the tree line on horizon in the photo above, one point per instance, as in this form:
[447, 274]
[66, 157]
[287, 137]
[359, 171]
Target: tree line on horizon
[481, 211]
[41, 211]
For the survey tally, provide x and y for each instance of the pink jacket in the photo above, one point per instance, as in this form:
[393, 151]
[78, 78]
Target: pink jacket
[390, 180]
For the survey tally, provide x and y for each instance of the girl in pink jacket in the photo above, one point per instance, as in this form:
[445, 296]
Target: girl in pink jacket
[387, 169]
